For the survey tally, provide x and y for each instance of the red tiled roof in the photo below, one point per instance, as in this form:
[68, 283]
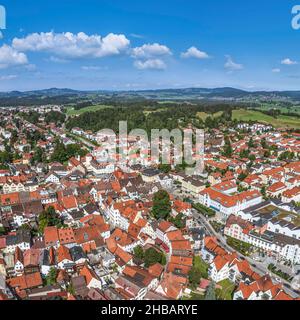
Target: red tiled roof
[63, 253]
[26, 281]
[51, 236]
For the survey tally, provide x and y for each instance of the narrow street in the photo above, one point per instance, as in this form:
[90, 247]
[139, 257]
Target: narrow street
[258, 267]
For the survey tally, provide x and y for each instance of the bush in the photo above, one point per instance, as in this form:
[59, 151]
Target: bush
[204, 210]
[198, 271]
[152, 257]
[278, 272]
[239, 246]
[217, 226]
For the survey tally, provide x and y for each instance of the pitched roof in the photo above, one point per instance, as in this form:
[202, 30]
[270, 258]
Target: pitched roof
[66, 235]
[156, 270]
[51, 235]
[69, 202]
[276, 187]
[230, 200]
[87, 234]
[172, 285]
[26, 281]
[32, 257]
[63, 253]
[89, 274]
[235, 220]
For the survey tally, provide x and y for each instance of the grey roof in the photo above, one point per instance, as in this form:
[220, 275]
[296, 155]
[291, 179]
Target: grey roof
[150, 172]
[21, 236]
[77, 253]
[77, 215]
[90, 208]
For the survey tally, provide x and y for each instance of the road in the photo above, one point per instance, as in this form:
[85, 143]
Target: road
[258, 267]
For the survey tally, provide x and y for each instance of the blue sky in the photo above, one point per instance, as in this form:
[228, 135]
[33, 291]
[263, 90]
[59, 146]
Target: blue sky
[118, 44]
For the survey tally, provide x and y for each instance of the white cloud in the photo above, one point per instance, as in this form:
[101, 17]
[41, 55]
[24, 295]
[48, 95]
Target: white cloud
[93, 68]
[30, 67]
[148, 51]
[10, 57]
[276, 70]
[231, 65]
[137, 36]
[57, 60]
[8, 77]
[154, 64]
[288, 62]
[69, 45]
[193, 52]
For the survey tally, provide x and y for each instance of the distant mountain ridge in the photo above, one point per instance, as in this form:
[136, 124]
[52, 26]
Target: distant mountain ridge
[185, 93]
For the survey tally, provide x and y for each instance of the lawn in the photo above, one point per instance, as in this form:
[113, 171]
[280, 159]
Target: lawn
[280, 121]
[72, 112]
[147, 112]
[194, 296]
[201, 266]
[268, 106]
[226, 293]
[203, 115]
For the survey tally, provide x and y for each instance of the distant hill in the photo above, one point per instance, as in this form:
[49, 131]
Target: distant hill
[226, 93]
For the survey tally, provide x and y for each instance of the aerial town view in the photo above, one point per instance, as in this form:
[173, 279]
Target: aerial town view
[149, 151]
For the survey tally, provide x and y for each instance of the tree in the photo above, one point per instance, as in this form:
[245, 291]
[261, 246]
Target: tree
[5, 157]
[75, 150]
[152, 257]
[228, 151]
[267, 154]
[2, 230]
[244, 153]
[161, 205]
[286, 156]
[166, 168]
[181, 167]
[242, 176]
[51, 277]
[194, 278]
[199, 270]
[139, 253]
[55, 117]
[59, 154]
[211, 292]
[251, 143]
[263, 143]
[70, 289]
[62, 154]
[38, 155]
[48, 218]
[252, 157]
[179, 221]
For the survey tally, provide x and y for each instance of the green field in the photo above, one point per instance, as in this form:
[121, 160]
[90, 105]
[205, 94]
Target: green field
[284, 109]
[194, 296]
[226, 293]
[72, 112]
[279, 122]
[203, 115]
